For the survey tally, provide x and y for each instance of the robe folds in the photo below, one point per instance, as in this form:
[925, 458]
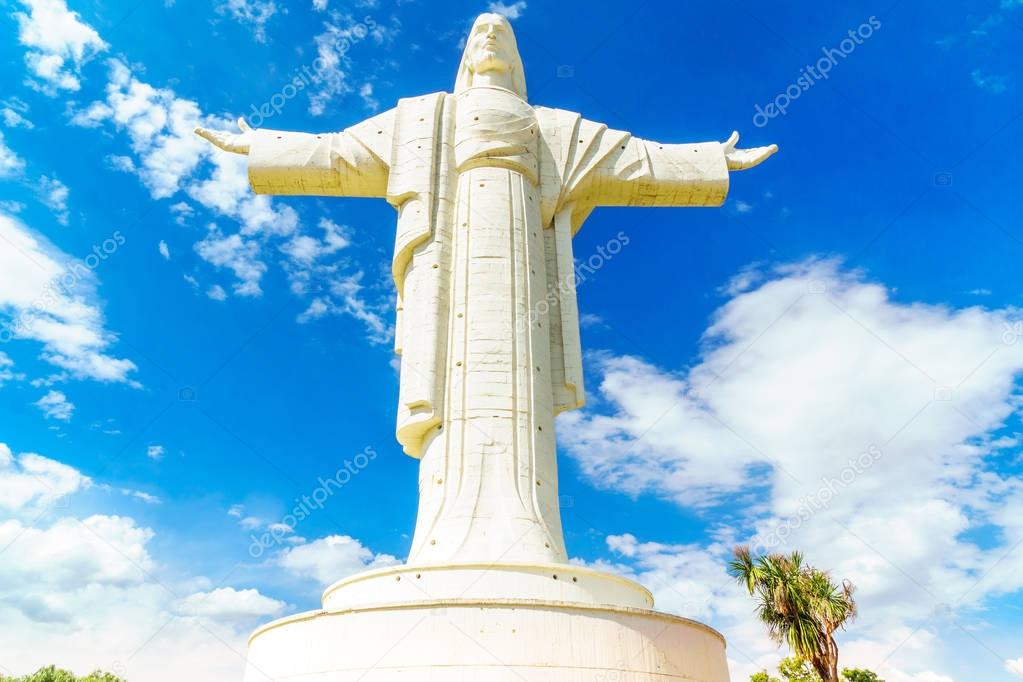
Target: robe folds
[408, 156]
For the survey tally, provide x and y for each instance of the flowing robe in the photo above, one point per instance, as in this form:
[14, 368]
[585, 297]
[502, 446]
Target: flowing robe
[489, 193]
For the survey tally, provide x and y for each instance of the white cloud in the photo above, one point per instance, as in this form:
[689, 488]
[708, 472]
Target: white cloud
[86, 593]
[318, 307]
[691, 580]
[122, 163]
[217, 293]
[366, 93]
[331, 558]
[996, 84]
[140, 495]
[59, 43]
[812, 369]
[743, 207]
[239, 255]
[155, 452]
[171, 159]
[182, 212]
[1015, 667]
[92, 116]
[341, 292]
[29, 480]
[319, 5]
[13, 112]
[164, 251]
[77, 553]
[304, 250]
[10, 163]
[254, 13]
[227, 602]
[512, 11]
[6, 373]
[50, 298]
[347, 299]
[54, 194]
[342, 33]
[55, 405]
[159, 126]
[227, 192]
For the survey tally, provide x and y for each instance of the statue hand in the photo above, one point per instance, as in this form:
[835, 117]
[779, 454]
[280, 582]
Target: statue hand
[229, 142]
[741, 159]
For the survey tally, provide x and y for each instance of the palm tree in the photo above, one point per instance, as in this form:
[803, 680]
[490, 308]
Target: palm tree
[800, 605]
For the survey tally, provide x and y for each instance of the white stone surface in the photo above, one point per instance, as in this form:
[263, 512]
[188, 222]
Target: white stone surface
[489, 192]
[506, 641]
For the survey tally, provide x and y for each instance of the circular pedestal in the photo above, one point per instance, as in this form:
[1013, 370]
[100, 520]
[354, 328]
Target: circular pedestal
[486, 623]
[486, 641]
[537, 582]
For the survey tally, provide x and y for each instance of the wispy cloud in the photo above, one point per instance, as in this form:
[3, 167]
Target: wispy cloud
[10, 163]
[54, 194]
[52, 299]
[253, 13]
[512, 11]
[13, 112]
[58, 43]
[994, 83]
[808, 368]
[55, 405]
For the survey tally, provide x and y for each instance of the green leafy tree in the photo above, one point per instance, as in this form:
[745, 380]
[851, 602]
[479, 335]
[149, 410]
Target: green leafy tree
[795, 669]
[791, 669]
[53, 674]
[800, 605]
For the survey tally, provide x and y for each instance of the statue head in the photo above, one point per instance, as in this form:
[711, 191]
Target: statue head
[491, 49]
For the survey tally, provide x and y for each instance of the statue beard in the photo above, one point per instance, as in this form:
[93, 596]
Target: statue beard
[489, 60]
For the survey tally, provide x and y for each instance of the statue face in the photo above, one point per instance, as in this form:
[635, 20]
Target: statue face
[491, 46]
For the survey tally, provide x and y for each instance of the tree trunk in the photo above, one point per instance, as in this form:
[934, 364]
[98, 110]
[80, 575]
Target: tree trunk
[823, 670]
[832, 661]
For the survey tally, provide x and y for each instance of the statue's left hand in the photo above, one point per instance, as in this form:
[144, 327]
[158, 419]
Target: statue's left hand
[230, 142]
[741, 159]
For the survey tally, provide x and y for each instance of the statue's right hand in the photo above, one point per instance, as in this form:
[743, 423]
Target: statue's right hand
[238, 143]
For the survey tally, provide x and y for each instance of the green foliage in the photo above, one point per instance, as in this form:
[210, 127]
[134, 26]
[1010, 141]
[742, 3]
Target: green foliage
[52, 674]
[793, 669]
[797, 670]
[800, 605]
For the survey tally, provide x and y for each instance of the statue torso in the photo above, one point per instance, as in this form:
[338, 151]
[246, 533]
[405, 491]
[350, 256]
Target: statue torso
[495, 127]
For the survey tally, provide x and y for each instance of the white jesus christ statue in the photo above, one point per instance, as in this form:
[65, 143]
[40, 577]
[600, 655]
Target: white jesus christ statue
[489, 192]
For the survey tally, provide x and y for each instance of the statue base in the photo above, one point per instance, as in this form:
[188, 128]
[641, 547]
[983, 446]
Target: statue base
[551, 623]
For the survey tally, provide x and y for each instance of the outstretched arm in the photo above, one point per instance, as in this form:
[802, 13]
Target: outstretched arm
[349, 163]
[643, 173]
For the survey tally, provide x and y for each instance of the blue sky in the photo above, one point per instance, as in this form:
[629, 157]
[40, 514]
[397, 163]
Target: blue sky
[199, 358]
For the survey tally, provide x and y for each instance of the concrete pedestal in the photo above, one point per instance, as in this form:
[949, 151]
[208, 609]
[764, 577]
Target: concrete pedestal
[552, 623]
